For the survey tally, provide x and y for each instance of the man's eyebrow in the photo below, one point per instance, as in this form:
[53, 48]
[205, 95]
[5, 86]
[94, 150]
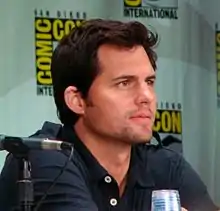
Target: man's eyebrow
[124, 77]
[150, 77]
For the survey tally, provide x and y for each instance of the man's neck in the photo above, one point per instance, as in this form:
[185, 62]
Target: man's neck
[113, 155]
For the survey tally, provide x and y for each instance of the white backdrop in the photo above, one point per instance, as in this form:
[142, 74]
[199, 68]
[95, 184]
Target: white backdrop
[186, 72]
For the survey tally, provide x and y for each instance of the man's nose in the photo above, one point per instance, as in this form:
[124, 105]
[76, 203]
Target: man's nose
[144, 95]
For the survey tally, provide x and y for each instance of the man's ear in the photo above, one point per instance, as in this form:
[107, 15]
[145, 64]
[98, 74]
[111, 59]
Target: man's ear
[74, 100]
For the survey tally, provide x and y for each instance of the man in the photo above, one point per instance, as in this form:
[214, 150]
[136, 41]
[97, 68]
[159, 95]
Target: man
[104, 88]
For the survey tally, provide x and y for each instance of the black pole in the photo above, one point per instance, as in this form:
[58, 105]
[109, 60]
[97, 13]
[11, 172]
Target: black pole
[25, 185]
[24, 181]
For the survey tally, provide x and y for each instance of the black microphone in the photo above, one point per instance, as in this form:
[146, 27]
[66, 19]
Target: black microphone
[11, 143]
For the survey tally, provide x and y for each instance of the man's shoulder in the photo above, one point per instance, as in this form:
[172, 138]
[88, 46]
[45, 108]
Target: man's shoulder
[46, 163]
[46, 166]
[164, 165]
[48, 130]
[159, 154]
[52, 131]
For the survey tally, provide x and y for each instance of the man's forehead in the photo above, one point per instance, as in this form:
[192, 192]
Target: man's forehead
[121, 59]
[116, 49]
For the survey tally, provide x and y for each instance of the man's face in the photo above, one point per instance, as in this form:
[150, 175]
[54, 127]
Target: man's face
[121, 102]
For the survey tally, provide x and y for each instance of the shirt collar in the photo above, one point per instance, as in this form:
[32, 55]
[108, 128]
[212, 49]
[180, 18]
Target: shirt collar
[96, 171]
[139, 171]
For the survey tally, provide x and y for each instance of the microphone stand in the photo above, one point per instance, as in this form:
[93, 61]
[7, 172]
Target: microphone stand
[24, 182]
[25, 185]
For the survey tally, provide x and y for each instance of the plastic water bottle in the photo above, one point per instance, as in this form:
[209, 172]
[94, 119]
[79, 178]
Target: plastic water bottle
[165, 200]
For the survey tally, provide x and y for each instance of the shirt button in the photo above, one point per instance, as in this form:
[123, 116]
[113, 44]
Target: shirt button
[113, 202]
[108, 179]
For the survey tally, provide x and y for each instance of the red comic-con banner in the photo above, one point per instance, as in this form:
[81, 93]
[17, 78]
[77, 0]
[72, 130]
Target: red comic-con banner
[49, 29]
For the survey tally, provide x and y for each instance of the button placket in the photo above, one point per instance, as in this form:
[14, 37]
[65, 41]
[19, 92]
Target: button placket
[112, 199]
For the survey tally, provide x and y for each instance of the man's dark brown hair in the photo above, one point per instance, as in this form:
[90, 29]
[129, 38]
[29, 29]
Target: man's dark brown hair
[75, 62]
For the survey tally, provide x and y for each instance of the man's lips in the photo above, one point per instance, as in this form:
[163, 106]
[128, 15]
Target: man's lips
[141, 119]
[141, 116]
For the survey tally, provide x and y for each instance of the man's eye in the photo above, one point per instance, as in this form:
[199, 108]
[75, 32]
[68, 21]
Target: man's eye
[151, 82]
[124, 83]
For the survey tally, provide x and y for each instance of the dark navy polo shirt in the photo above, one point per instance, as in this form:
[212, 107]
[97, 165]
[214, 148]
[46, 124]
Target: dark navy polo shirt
[87, 186]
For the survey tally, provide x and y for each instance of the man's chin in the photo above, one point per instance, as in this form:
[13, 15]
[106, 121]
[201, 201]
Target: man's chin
[145, 138]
